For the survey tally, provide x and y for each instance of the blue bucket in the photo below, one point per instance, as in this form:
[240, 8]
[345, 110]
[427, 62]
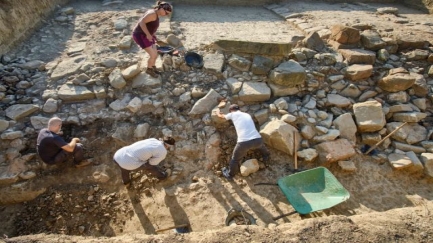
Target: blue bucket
[194, 60]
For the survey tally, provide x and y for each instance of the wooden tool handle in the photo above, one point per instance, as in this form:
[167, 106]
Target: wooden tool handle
[172, 227]
[387, 136]
[295, 149]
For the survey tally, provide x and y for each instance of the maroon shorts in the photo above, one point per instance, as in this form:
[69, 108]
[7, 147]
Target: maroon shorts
[142, 41]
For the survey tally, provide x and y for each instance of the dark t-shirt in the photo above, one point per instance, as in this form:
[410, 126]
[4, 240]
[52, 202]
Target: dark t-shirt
[48, 145]
[152, 26]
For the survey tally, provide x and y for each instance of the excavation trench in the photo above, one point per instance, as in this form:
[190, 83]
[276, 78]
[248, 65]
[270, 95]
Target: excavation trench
[92, 201]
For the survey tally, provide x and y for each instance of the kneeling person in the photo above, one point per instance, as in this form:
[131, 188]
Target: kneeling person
[143, 155]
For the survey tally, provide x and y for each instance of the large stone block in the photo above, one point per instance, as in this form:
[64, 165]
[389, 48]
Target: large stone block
[205, 104]
[399, 161]
[358, 56]
[69, 92]
[239, 63]
[288, 74]
[334, 151]
[347, 127]
[280, 135]
[427, 160]
[214, 62]
[254, 91]
[67, 67]
[358, 72]
[398, 79]
[261, 65]
[369, 116]
[371, 40]
[16, 112]
[144, 80]
[344, 34]
[272, 49]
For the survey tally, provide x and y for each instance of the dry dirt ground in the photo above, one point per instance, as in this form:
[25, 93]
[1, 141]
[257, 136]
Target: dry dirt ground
[384, 206]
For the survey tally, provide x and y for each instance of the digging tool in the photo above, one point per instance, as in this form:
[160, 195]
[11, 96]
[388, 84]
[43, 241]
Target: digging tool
[387, 136]
[283, 215]
[295, 153]
[181, 228]
[266, 183]
[295, 159]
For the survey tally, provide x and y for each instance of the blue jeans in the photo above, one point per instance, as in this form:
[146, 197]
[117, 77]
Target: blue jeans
[241, 149]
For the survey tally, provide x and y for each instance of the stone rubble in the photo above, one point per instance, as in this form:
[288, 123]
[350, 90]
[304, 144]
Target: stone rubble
[336, 89]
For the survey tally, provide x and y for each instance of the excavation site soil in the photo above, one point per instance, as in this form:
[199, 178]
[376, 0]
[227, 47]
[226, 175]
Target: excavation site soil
[385, 205]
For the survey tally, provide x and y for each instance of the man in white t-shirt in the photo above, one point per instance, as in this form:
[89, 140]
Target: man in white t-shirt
[248, 138]
[143, 155]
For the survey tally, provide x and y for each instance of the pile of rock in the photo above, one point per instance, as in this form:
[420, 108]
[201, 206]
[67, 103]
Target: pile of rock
[333, 99]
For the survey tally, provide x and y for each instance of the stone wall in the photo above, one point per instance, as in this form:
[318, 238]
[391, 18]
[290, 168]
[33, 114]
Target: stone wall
[17, 20]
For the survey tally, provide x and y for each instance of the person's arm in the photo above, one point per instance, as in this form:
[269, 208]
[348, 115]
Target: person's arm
[156, 159]
[158, 155]
[71, 146]
[149, 17]
[220, 114]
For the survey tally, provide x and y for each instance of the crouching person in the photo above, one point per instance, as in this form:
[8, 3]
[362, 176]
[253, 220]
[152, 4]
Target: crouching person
[143, 155]
[53, 149]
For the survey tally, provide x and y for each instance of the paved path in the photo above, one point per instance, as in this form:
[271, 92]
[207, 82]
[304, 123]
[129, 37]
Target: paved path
[202, 25]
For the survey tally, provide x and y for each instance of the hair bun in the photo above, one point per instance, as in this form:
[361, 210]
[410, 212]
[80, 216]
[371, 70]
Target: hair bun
[169, 141]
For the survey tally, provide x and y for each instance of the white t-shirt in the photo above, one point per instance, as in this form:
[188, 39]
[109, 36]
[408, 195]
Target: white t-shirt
[244, 125]
[135, 155]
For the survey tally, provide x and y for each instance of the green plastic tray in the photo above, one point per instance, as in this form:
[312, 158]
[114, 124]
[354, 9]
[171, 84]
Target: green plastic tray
[312, 190]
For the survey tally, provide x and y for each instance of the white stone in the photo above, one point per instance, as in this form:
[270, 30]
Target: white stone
[250, 166]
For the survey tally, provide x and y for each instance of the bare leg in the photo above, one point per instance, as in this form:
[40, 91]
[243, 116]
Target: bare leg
[153, 54]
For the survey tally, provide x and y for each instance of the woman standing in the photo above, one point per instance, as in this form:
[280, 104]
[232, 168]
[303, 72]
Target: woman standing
[144, 33]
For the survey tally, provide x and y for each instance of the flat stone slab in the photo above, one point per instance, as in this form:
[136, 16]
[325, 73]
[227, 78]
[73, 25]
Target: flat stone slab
[19, 111]
[76, 47]
[68, 92]
[399, 161]
[144, 80]
[67, 67]
[334, 151]
[260, 48]
[201, 24]
[255, 91]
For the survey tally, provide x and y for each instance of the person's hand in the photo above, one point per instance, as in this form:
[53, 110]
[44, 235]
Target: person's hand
[77, 140]
[149, 37]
